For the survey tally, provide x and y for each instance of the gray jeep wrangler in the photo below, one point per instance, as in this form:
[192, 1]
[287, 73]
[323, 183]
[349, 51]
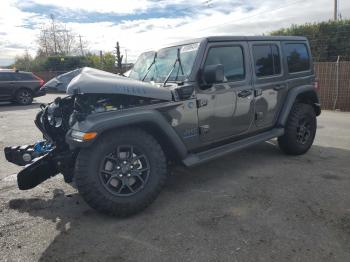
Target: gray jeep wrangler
[188, 103]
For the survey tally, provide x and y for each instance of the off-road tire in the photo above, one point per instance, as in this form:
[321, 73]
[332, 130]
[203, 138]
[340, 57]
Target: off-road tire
[289, 142]
[87, 172]
[24, 96]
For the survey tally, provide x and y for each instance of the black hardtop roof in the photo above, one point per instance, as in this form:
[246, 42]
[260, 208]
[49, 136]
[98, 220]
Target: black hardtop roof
[239, 38]
[255, 38]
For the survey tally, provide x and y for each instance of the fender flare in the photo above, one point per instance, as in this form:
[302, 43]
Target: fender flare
[291, 98]
[103, 122]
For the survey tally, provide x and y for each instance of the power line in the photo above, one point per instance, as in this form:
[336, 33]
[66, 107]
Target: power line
[247, 17]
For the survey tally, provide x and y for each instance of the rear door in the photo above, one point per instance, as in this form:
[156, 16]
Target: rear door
[269, 81]
[226, 109]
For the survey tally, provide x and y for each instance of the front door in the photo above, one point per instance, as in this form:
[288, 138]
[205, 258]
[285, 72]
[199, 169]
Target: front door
[226, 109]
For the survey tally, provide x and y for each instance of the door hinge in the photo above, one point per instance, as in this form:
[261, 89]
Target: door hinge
[257, 92]
[259, 116]
[202, 102]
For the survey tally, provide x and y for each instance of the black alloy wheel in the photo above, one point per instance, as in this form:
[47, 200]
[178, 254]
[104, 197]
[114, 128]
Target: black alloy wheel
[125, 171]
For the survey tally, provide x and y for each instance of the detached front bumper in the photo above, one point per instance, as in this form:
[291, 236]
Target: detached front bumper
[38, 166]
[36, 170]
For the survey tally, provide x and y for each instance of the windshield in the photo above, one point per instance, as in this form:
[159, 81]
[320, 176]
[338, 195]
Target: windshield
[164, 62]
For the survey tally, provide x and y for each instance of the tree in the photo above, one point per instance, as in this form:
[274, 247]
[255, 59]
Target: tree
[328, 40]
[24, 62]
[118, 58]
[56, 39]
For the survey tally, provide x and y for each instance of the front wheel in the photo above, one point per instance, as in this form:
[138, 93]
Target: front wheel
[300, 130]
[122, 173]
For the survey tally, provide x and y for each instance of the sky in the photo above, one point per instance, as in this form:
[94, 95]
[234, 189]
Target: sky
[141, 25]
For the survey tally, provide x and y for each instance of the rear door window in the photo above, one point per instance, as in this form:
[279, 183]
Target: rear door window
[231, 57]
[267, 60]
[298, 59]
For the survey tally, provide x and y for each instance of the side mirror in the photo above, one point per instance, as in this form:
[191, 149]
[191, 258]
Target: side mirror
[213, 74]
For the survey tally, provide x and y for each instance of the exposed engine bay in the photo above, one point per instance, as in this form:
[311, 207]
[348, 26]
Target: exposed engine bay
[59, 116]
[54, 120]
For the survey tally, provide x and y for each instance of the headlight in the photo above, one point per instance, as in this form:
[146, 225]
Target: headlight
[54, 115]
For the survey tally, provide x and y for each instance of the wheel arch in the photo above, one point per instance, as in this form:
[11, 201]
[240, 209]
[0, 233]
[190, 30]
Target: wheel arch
[19, 88]
[151, 121]
[303, 94]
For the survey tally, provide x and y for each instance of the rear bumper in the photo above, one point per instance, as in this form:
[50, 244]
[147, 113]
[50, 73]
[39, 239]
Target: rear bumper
[40, 92]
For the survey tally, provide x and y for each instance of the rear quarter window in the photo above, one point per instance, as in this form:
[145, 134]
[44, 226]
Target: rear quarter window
[298, 58]
[24, 77]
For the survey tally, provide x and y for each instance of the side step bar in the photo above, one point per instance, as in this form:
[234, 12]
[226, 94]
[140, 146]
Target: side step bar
[196, 159]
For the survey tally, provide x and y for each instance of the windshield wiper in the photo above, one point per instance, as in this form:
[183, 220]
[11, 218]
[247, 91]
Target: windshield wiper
[178, 60]
[150, 66]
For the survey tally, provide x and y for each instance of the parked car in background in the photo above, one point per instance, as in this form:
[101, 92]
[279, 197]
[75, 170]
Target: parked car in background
[59, 83]
[19, 86]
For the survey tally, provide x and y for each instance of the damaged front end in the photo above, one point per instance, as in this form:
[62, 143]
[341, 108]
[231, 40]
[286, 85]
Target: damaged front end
[53, 155]
[50, 156]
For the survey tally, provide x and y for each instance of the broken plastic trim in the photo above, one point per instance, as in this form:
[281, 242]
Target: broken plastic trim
[37, 172]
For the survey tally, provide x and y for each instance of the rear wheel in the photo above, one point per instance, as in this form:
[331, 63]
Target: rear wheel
[300, 130]
[24, 97]
[122, 173]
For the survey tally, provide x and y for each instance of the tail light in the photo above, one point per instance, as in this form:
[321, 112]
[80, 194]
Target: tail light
[41, 81]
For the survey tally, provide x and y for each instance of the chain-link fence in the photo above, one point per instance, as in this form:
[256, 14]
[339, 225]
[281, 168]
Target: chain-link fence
[334, 83]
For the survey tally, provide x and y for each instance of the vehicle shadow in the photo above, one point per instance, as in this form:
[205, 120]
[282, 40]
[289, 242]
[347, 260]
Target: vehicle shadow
[5, 106]
[191, 213]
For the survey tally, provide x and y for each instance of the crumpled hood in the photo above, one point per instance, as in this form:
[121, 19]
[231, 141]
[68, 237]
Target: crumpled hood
[91, 80]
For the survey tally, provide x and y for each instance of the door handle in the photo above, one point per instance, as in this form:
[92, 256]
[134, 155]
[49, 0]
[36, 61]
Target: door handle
[279, 87]
[244, 93]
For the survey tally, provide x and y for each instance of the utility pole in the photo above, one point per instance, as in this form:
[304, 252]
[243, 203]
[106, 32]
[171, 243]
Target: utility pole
[101, 58]
[81, 46]
[335, 10]
[45, 41]
[54, 32]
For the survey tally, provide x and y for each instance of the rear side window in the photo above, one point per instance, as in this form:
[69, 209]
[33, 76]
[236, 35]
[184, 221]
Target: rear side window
[297, 57]
[267, 60]
[231, 57]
